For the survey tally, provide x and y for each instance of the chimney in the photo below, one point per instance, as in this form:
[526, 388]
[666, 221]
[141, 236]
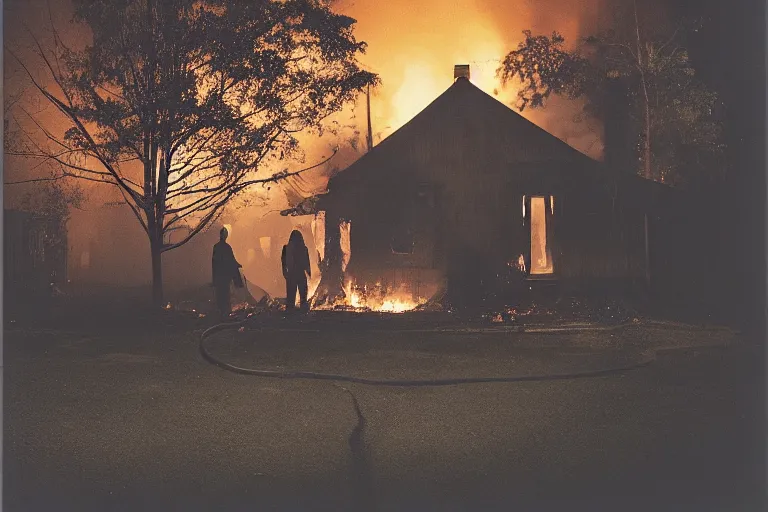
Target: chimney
[618, 142]
[460, 71]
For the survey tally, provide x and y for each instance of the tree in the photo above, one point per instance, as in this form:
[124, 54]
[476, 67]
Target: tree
[648, 76]
[179, 103]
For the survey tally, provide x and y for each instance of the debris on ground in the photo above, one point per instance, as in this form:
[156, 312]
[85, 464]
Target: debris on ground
[567, 310]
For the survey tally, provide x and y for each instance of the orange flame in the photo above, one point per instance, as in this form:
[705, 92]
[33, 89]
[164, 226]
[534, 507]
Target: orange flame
[361, 298]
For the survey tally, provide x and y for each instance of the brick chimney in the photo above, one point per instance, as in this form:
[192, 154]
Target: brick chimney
[460, 71]
[620, 153]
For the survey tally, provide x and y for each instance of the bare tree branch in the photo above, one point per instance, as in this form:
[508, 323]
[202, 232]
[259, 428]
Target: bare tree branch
[201, 116]
[66, 110]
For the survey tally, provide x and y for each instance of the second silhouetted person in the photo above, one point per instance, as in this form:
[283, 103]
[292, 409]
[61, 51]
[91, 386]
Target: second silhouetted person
[296, 269]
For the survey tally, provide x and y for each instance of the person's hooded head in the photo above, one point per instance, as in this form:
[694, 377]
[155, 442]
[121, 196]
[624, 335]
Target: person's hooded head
[296, 239]
[223, 234]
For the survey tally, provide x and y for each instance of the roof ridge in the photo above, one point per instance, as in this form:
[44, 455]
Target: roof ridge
[468, 102]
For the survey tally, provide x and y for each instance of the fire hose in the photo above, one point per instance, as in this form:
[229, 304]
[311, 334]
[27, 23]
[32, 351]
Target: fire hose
[647, 358]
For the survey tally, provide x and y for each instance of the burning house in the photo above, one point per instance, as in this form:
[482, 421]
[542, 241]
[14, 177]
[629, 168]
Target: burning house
[469, 193]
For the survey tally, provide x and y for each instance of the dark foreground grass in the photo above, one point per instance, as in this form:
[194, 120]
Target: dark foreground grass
[135, 420]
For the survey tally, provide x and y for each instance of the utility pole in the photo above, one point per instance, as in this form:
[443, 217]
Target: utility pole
[369, 136]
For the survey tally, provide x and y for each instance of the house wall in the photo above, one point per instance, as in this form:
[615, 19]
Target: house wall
[387, 212]
[596, 231]
[597, 239]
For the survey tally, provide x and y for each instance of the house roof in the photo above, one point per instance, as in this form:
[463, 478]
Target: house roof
[482, 116]
[468, 130]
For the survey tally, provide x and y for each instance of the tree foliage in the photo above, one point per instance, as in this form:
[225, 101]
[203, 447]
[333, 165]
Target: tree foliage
[178, 103]
[670, 113]
[542, 66]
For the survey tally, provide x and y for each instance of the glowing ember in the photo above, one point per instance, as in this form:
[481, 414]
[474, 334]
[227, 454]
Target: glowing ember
[241, 306]
[520, 263]
[397, 306]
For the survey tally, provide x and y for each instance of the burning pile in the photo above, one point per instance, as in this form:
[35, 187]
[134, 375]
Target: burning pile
[374, 298]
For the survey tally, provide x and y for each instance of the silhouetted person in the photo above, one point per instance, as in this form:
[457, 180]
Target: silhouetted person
[226, 269]
[296, 269]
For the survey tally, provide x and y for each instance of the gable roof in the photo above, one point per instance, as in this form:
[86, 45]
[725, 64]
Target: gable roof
[482, 117]
[466, 115]
[467, 129]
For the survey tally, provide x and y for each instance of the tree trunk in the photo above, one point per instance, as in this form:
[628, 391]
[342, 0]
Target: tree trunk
[640, 67]
[647, 254]
[155, 246]
[647, 157]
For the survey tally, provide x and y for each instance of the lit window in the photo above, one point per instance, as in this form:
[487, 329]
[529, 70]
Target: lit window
[541, 257]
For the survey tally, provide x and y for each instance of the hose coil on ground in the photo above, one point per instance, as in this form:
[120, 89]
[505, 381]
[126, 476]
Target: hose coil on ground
[646, 359]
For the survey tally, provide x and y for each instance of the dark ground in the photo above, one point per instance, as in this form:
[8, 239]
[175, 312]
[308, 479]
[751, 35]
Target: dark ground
[125, 415]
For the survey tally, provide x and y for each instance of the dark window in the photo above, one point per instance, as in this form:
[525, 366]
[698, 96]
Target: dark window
[403, 242]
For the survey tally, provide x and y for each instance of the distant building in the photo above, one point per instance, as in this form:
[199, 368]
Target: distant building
[34, 254]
